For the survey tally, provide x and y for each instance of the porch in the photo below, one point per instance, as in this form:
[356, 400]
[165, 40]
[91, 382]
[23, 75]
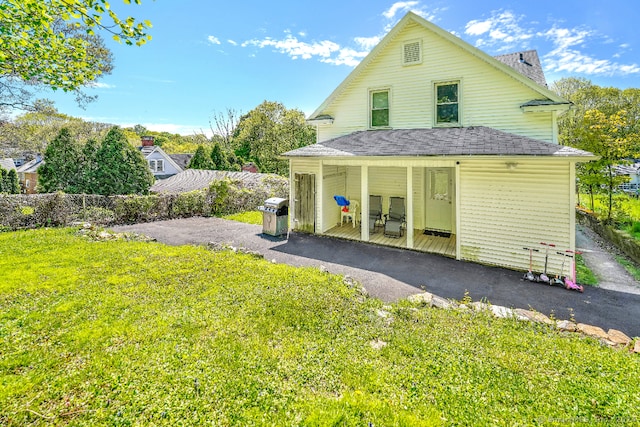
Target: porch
[423, 243]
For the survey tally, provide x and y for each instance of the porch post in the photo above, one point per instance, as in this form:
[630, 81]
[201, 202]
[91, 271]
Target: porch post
[364, 203]
[409, 213]
[572, 206]
[319, 196]
[457, 208]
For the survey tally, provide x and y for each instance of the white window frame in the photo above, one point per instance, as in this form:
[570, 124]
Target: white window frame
[379, 90]
[152, 165]
[159, 165]
[457, 123]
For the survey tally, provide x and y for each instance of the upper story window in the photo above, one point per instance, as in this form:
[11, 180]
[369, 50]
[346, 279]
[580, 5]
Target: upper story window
[380, 108]
[447, 103]
[156, 165]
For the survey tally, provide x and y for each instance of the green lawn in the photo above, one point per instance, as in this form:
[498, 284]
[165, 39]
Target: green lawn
[137, 333]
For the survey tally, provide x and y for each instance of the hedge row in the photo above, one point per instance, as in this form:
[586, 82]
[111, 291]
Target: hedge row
[59, 209]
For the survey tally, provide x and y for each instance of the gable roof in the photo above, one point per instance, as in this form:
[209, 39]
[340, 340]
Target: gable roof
[7, 164]
[148, 150]
[412, 17]
[181, 160]
[32, 165]
[526, 63]
[469, 141]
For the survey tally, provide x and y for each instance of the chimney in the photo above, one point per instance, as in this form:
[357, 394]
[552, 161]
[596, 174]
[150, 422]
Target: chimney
[148, 141]
[521, 58]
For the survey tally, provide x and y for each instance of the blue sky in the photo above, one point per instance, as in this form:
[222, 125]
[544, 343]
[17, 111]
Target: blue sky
[209, 56]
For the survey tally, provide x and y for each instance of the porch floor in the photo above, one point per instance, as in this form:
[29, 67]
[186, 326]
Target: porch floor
[423, 243]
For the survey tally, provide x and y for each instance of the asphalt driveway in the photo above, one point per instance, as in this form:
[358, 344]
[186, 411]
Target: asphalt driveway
[391, 274]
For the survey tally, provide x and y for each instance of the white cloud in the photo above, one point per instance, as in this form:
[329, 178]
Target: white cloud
[100, 85]
[346, 56]
[325, 51]
[566, 56]
[401, 6]
[295, 48]
[213, 40]
[232, 42]
[367, 43]
[477, 28]
[502, 30]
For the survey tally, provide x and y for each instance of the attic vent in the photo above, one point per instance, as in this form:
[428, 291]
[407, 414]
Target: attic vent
[411, 53]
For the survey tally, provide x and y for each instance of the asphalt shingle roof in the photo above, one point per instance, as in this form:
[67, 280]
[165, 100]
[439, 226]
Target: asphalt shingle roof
[199, 179]
[469, 141]
[529, 66]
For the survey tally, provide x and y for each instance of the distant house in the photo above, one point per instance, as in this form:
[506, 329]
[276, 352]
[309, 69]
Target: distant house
[161, 164]
[250, 167]
[7, 164]
[633, 172]
[459, 148]
[28, 175]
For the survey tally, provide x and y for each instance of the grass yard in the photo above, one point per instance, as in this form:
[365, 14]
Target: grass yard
[249, 217]
[127, 333]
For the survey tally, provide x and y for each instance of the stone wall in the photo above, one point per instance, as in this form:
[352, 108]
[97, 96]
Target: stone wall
[621, 239]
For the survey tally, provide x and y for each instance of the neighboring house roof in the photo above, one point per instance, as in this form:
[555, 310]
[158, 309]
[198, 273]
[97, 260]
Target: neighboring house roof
[475, 140]
[456, 41]
[198, 179]
[526, 63]
[7, 164]
[31, 166]
[627, 169]
[181, 160]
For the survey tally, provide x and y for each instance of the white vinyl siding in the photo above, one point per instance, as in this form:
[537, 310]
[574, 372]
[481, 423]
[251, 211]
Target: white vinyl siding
[503, 210]
[491, 98]
[334, 183]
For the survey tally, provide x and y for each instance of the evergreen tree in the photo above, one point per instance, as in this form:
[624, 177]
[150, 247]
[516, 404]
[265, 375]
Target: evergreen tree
[218, 158]
[88, 167]
[119, 167]
[13, 184]
[60, 171]
[200, 160]
[3, 181]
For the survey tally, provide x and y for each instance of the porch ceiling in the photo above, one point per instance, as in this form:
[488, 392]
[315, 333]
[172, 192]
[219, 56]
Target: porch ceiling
[469, 141]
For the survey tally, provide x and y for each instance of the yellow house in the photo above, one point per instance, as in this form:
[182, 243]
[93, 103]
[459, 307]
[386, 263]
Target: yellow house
[463, 144]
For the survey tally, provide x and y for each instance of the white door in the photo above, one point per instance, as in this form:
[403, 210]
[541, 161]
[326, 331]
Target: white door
[439, 212]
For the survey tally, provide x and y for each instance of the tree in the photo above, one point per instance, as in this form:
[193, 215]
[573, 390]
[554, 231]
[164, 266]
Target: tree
[604, 121]
[225, 125]
[30, 132]
[200, 160]
[52, 43]
[269, 130]
[119, 167]
[9, 182]
[12, 185]
[60, 171]
[88, 168]
[609, 137]
[218, 158]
